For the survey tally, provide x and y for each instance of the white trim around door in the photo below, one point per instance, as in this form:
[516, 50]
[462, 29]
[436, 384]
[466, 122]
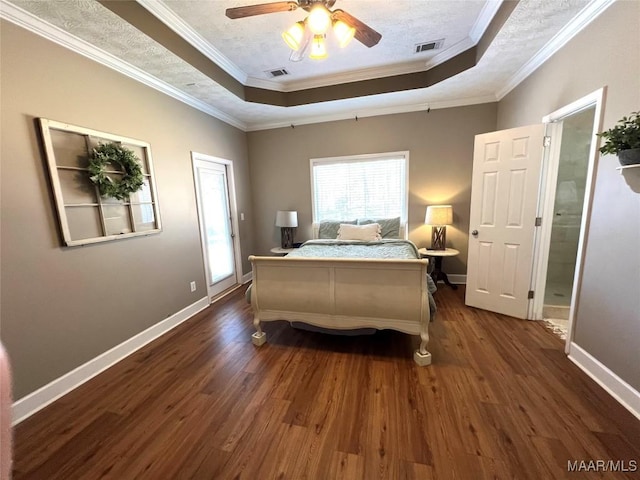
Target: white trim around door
[201, 159]
[545, 208]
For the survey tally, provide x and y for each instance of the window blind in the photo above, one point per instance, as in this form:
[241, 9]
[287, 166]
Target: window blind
[347, 189]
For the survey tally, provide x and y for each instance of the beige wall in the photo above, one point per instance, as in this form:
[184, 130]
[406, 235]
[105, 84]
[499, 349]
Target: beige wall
[607, 53]
[61, 307]
[441, 156]
[58, 305]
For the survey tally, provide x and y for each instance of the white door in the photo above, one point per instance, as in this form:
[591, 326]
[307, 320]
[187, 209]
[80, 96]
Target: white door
[216, 225]
[504, 196]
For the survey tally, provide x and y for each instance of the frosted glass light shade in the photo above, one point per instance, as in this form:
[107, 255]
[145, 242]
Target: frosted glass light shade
[318, 48]
[286, 218]
[293, 37]
[319, 20]
[344, 33]
[439, 215]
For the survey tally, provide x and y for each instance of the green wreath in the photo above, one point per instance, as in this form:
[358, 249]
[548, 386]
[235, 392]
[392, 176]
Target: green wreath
[116, 155]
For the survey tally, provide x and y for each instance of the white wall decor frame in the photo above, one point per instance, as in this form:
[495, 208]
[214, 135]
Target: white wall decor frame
[85, 216]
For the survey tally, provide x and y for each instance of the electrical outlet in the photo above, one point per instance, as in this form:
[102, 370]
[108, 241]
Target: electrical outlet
[193, 286]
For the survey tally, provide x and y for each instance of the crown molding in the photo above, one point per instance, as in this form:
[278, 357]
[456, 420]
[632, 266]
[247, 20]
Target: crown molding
[266, 84]
[559, 40]
[365, 73]
[372, 112]
[487, 13]
[29, 22]
[346, 77]
[456, 49]
[179, 26]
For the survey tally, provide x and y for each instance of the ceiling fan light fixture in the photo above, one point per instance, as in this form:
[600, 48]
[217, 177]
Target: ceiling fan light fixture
[318, 48]
[294, 35]
[344, 33]
[319, 20]
[312, 32]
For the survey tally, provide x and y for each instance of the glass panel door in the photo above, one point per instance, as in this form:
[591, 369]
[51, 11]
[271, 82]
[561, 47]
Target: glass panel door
[215, 221]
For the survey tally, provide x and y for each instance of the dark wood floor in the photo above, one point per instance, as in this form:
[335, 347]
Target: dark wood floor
[501, 400]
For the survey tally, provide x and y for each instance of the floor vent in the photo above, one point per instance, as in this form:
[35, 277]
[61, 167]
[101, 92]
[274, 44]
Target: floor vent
[278, 72]
[427, 46]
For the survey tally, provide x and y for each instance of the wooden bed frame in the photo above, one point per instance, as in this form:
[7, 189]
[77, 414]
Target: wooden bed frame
[343, 293]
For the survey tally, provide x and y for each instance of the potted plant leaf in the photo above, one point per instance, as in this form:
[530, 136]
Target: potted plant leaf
[624, 140]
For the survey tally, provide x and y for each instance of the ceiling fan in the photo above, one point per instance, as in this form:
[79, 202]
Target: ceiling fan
[312, 31]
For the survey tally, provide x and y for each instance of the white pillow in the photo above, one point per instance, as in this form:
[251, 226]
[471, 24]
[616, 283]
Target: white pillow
[367, 233]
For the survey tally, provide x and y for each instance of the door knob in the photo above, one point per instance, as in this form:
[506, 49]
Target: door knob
[474, 233]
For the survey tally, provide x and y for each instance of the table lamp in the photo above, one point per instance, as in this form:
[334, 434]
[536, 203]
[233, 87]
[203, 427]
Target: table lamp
[287, 221]
[439, 216]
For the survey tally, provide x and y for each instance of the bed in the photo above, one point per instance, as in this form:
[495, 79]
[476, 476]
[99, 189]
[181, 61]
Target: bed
[346, 285]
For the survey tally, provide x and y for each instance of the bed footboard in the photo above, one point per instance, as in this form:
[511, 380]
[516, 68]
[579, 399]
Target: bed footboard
[343, 294]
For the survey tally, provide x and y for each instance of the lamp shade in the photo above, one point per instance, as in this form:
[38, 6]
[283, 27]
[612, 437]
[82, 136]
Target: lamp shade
[319, 20]
[318, 48]
[286, 219]
[294, 36]
[344, 33]
[439, 215]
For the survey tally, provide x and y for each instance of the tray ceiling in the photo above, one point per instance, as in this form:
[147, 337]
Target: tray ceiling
[192, 51]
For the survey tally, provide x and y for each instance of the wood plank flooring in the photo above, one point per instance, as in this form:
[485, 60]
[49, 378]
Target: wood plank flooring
[501, 400]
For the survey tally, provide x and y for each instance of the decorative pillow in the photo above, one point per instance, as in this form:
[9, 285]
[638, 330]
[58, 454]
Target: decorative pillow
[367, 233]
[390, 227]
[329, 229]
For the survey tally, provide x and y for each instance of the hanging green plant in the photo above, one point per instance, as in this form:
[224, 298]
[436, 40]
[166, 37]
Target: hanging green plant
[113, 155]
[625, 135]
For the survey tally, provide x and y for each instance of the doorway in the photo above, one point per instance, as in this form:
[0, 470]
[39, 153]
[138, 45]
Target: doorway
[565, 202]
[571, 179]
[517, 178]
[215, 196]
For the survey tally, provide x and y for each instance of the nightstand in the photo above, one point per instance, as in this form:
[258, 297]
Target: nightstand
[438, 255]
[281, 251]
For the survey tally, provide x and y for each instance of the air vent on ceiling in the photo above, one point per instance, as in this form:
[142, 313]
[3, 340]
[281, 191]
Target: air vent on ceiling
[427, 46]
[278, 72]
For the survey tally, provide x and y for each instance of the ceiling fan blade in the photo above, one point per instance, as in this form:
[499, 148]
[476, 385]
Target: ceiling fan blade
[260, 9]
[364, 33]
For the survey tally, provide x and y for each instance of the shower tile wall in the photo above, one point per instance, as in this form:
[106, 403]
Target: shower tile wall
[565, 233]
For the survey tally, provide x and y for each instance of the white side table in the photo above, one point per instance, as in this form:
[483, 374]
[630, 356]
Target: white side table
[281, 251]
[438, 255]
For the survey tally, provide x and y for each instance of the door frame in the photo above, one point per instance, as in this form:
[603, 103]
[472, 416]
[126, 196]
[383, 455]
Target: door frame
[233, 211]
[547, 199]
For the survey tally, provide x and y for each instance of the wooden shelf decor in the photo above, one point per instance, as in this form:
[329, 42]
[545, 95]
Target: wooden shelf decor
[627, 167]
[85, 216]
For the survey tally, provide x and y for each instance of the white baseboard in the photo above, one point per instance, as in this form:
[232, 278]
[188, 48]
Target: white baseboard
[247, 277]
[30, 404]
[624, 393]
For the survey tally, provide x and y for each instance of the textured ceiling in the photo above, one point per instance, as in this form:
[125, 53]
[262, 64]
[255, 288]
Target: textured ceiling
[247, 47]
[255, 46]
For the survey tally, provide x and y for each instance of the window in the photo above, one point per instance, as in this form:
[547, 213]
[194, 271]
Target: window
[85, 216]
[362, 186]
